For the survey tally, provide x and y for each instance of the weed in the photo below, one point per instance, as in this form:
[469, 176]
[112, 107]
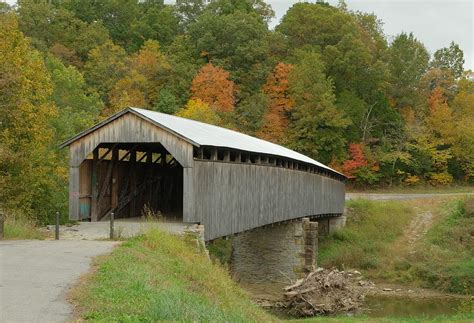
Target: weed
[19, 227]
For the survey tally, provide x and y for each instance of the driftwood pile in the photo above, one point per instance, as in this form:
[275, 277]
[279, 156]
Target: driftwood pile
[325, 291]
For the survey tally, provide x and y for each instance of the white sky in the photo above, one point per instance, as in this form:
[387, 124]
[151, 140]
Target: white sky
[435, 22]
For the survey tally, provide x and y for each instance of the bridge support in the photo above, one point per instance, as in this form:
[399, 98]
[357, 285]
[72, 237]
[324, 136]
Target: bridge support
[275, 254]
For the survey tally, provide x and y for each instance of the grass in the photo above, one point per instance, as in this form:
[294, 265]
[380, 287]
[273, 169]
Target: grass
[371, 227]
[417, 189]
[158, 277]
[444, 259]
[20, 228]
[374, 241]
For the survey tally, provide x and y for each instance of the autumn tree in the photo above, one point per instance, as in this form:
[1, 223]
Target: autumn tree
[244, 55]
[106, 64]
[198, 110]
[280, 104]
[358, 167]
[212, 86]
[29, 175]
[463, 114]
[147, 71]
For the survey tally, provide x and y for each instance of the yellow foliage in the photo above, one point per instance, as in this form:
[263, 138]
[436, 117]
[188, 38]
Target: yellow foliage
[411, 180]
[27, 163]
[199, 111]
[441, 179]
[128, 92]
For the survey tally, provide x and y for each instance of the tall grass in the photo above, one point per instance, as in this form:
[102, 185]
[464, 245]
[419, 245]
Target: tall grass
[371, 227]
[445, 259]
[18, 227]
[160, 277]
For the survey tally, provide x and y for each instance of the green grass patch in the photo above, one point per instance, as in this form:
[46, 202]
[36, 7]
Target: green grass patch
[162, 277]
[371, 227]
[417, 189]
[221, 250]
[16, 228]
[445, 258]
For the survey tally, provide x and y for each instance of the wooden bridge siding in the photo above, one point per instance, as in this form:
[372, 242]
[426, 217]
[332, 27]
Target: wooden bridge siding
[127, 129]
[232, 198]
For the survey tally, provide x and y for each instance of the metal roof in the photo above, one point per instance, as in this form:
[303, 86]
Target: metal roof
[203, 134]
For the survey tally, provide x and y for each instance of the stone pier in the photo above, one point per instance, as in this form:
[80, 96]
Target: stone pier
[275, 254]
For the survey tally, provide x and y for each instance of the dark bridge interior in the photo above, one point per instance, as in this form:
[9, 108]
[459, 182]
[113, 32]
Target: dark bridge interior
[129, 179]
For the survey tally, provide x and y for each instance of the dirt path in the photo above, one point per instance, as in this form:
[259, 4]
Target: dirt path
[36, 275]
[419, 226]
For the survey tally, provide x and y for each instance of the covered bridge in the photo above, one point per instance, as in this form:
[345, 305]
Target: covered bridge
[195, 173]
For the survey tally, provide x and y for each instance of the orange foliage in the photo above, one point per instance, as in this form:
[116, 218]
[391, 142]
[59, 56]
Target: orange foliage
[212, 86]
[440, 120]
[277, 89]
[358, 160]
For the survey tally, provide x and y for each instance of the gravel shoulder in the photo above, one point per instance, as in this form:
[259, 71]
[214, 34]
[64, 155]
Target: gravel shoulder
[35, 277]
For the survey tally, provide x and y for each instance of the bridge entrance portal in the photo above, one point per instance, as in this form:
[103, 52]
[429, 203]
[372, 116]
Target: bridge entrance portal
[131, 180]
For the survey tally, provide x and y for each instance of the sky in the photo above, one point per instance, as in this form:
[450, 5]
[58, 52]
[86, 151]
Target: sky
[434, 22]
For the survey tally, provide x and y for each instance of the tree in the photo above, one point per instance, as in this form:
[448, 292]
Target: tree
[277, 116]
[29, 174]
[244, 55]
[316, 125]
[408, 62]
[78, 107]
[158, 22]
[129, 91]
[249, 113]
[166, 102]
[106, 64]
[226, 7]
[451, 59]
[49, 24]
[463, 114]
[358, 167]
[212, 86]
[199, 111]
[118, 17]
[351, 45]
[189, 10]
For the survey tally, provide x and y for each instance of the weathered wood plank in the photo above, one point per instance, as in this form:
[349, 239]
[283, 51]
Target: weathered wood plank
[232, 198]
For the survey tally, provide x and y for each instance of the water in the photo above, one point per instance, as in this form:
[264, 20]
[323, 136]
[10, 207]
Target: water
[390, 306]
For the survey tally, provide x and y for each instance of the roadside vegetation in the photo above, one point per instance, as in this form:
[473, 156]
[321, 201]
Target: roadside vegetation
[158, 277]
[20, 227]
